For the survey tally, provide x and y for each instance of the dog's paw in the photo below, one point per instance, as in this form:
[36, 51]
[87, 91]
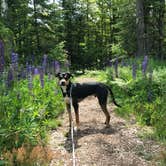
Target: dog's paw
[107, 126]
[67, 134]
[75, 129]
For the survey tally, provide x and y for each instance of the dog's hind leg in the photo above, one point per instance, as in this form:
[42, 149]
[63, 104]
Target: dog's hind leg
[102, 98]
[76, 110]
[104, 109]
[69, 113]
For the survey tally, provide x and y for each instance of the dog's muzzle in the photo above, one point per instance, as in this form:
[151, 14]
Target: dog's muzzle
[62, 82]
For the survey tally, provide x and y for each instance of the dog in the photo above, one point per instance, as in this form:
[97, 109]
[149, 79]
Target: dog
[78, 91]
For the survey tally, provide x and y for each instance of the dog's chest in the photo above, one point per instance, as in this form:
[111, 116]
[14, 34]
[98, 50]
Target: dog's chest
[67, 100]
[66, 97]
[64, 89]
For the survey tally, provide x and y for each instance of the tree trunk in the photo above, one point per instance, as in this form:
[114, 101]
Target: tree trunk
[3, 7]
[87, 20]
[161, 29]
[112, 29]
[36, 27]
[140, 28]
[146, 19]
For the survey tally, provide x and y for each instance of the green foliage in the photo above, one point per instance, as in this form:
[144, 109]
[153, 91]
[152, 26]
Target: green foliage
[117, 49]
[93, 31]
[58, 52]
[158, 117]
[24, 114]
[4, 31]
[35, 28]
[6, 35]
[52, 124]
[143, 97]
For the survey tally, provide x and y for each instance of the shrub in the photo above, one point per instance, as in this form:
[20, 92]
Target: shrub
[144, 96]
[24, 113]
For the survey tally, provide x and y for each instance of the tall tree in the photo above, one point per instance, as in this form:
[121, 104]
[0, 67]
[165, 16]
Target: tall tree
[161, 29]
[140, 28]
[36, 28]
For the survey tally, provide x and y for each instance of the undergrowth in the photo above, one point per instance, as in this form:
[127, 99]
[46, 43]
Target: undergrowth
[25, 117]
[144, 96]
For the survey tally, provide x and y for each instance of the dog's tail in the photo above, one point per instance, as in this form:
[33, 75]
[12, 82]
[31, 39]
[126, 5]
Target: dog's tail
[113, 98]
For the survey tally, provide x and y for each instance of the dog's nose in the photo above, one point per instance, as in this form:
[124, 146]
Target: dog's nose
[62, 83]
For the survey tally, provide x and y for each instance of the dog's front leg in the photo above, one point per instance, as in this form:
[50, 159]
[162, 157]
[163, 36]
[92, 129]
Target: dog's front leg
[76, 110]
[69, 113]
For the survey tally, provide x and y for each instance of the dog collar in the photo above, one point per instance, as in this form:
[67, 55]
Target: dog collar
[66, 90]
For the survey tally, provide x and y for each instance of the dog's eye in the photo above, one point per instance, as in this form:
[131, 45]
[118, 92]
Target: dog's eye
[60, 77]
[66, 76]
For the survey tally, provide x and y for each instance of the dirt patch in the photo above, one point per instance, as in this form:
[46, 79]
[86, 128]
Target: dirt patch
[97, 145]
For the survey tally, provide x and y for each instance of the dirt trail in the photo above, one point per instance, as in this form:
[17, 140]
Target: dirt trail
[96, 145]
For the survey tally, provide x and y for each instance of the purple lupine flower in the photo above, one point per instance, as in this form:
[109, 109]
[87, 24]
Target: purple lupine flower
[14, 62]
[44, 63]
[21, 74]
[48, 71]
[2, 56]
[14, 59]
[52, 68]
[56, 66]
[32, 69]
[134, 70]
[27, 68]
[144, 65]
[10, 77]
[48, 68]
[116, 67]
[36, 71]
[42, 77]
[30, 78]
[110, 63]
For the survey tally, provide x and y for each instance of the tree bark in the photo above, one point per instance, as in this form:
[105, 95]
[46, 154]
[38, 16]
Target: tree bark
[140, 28]
[36, 26]
[161, 29]
[146, 20]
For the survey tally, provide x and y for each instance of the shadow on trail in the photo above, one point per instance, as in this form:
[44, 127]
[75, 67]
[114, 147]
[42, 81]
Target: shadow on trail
[86, 131]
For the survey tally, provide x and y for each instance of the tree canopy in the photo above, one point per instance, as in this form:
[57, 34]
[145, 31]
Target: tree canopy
[90, 31]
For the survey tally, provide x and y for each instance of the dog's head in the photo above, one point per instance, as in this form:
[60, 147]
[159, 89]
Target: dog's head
[64, 78]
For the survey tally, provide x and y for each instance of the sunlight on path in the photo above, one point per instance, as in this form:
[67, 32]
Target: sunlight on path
[100, 146]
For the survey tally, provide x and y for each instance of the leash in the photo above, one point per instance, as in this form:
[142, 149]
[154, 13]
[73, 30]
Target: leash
[72, 131]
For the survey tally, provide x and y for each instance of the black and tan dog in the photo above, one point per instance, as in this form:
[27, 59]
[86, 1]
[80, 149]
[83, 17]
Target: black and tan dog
[78, 91]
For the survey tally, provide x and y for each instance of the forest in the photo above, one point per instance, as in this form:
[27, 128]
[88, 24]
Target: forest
[119, 42]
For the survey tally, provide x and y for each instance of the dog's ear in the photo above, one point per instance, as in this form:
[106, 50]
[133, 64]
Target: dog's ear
[70, 75]
[57, 75]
